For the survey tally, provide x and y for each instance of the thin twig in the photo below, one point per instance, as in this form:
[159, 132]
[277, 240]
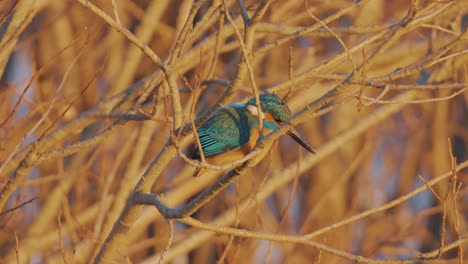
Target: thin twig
[115, 11]
[17, 252]
[340, 40]
[386, 206]
[18, 206]
[431, 100]
[129, 35]
[169, 241]
[444, 215]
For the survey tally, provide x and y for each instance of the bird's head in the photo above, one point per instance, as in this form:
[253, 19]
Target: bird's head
[274, 109]
[277, 111]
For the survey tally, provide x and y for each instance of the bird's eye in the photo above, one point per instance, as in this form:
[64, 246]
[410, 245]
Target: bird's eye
[277, 120]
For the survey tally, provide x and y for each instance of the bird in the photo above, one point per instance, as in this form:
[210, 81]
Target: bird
[232, 131]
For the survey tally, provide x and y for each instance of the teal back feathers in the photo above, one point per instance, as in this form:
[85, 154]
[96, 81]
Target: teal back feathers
[230, 127]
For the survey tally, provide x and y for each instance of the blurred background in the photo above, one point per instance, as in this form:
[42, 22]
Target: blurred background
[67, 168]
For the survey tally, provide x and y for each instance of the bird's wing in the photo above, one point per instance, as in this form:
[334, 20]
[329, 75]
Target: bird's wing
[227, 129]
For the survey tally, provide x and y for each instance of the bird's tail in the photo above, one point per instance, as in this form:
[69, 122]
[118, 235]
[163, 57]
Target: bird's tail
[196, 156]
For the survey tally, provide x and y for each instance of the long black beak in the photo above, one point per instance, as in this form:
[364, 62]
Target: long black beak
[295, 135]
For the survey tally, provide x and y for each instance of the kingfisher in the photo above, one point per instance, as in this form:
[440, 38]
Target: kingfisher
[231, 132]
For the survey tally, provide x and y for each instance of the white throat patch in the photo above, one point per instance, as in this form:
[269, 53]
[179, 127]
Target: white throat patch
[254, 111]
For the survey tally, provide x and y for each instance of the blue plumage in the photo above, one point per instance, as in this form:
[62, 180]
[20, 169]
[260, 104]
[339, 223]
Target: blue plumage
[233, 129]
[227, 129]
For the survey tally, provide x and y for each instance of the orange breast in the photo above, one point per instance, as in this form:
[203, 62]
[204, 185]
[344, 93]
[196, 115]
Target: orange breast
[238, 153]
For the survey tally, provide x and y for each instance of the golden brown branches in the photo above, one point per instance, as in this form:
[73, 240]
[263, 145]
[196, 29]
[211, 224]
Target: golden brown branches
[104, 143]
